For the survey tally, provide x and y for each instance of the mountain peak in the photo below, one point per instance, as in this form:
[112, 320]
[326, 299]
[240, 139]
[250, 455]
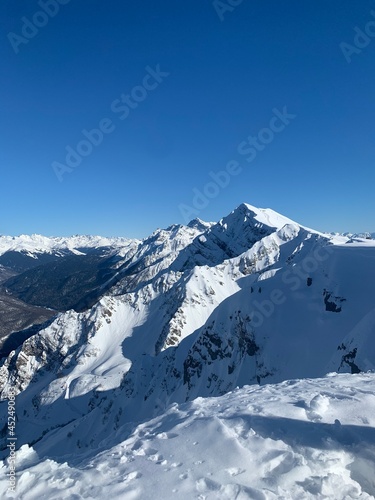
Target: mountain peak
[264, 216]
[199, 224]
[113, 336]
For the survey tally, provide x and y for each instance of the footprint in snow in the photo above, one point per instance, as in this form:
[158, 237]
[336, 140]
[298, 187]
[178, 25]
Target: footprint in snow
[235, 471]
[155, 457]
[150, 452]
[166, 435]
[140, 449]
[205, 485]
[137, 445]
[240, 492]
[131, 476]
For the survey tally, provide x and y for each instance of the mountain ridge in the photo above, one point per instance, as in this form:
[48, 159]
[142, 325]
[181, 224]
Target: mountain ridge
[195, 312]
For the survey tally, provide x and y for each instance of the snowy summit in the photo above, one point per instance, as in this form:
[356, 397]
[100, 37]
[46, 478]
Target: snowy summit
[192, 363]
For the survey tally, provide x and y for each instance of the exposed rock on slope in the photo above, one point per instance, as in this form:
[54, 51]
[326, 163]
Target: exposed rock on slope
[196, 311]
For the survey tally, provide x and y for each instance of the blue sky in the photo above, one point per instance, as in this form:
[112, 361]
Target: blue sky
[222, 80]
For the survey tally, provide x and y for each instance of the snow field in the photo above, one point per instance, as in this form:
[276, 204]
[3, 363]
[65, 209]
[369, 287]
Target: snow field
[305, 439]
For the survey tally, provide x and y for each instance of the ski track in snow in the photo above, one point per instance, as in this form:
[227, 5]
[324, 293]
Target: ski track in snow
[302, 439]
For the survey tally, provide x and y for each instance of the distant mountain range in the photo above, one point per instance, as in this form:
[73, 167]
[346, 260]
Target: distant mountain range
[100, 333]
[36, 275]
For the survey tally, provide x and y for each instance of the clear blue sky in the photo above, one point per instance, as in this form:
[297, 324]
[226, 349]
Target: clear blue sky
[225, 78]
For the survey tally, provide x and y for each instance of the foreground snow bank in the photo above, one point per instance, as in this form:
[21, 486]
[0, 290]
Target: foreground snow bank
[311, 438]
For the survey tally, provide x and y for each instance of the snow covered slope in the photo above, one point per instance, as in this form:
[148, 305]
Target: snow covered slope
[303, 439]
[40, 276]
[194, 311]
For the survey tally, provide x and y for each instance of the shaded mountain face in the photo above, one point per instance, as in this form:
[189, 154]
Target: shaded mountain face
[20, 261]
[16, 319]
[190, 311]
[6, 273]
[42, 276]
[68, 282]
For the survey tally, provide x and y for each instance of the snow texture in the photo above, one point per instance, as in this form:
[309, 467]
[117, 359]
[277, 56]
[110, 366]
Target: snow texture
[306, 439]
[136, 397]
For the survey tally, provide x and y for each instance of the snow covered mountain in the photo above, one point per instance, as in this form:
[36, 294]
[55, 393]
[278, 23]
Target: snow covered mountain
[36, 244]
[40, 276]
[192, 311]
